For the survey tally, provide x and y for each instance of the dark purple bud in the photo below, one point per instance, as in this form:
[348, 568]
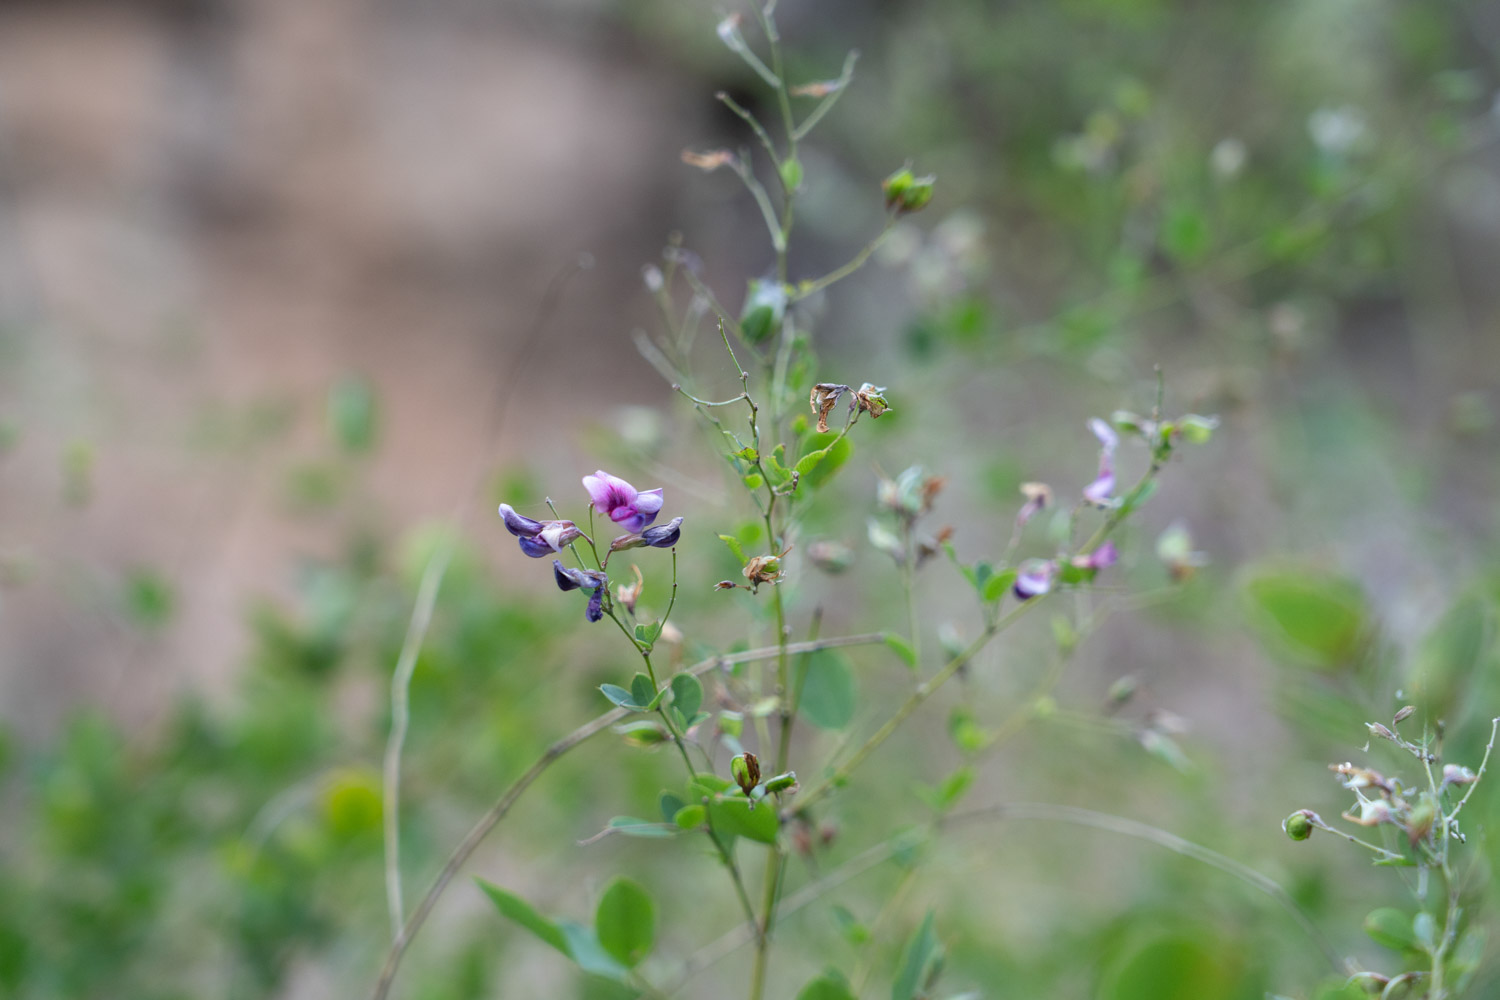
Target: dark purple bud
[663, 536]
[1034, 580]
[577, 579]
[517, 524]
[595, 610]
[535, 547]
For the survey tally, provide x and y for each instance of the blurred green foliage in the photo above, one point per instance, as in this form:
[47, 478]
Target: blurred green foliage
[1232, 181]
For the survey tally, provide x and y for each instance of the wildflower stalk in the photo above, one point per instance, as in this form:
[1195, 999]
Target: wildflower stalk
[502, 806]
[930, 686]
[808, 288]
[406, 665]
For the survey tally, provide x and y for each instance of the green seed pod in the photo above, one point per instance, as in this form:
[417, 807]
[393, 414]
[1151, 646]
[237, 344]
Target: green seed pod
[1299, 825]
[745, 770]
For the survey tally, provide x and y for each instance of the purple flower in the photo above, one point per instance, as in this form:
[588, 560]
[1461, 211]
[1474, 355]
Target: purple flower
[591, 581]
[621, 502]
[1099, 490]
[663, 536]
[538, 538]
[1035, 579]
[1105, 555]
[1038, 496]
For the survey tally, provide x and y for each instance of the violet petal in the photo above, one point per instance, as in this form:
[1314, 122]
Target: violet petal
[518, 524]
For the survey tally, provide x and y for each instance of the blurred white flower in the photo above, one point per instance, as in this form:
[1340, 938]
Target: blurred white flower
[1228, 157]
[1336, 130]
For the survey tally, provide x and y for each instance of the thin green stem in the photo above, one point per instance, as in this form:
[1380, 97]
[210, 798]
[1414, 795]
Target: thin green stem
[806, 288]
[406, 664]
[755, 126]
[1124, 827]
[827, 103]
[1479, 776]
[913, 701]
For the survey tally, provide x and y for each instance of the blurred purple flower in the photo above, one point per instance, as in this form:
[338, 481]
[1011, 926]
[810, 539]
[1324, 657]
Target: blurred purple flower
[1105, 555]
[538, 538]
[1038, 496]
[621, 502]
[1099, 490]
[591, 581]
[1035, 579]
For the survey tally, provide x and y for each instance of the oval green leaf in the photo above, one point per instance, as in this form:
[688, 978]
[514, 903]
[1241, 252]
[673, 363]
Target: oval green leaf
[626, 922]
[828, 694]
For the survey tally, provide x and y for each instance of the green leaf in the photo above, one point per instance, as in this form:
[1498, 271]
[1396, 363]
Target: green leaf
[626, 922]
[1185, 233]
[850, 926]
[735, 818]
[516, 909]
[687, 694]
[621, 697]
[754, 481]
[642, 691]
[632, 826]
[691, 817]
[670, 805]
[833, 456]
[903, 649]
[920, 964]
[1175, 966]
[953, 788]
[585, 949]
[761, 315]
[828, 694]
[734, 546]
[647, 632]
[1390, 928]
[810, 461]
[775, 469]
[996, 586]
[1312, 617]
[1424, 929]
[828, 986]
[1450, 656]
[711, 784]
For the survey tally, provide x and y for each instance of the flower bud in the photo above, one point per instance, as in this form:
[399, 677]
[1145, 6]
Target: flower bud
[745, 770]
[663, 536]
[782, 782]
[907, 193]
[1299, 825]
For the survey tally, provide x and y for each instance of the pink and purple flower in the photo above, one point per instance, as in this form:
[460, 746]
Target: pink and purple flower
[622, 503]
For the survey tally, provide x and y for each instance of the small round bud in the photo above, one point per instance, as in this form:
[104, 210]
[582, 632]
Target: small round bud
[1299, 825]
[745, 770]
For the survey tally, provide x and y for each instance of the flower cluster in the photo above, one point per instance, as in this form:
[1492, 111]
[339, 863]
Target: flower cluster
[623, 504]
